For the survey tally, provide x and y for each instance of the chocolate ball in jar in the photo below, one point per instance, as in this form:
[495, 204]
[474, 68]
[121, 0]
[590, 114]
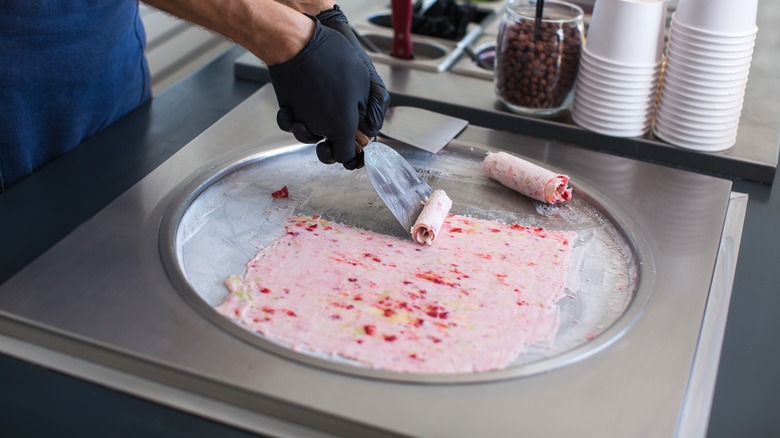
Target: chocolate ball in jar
[537, 62]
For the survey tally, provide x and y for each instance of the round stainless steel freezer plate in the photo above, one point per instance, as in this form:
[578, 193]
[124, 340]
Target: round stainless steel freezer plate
[221, 219]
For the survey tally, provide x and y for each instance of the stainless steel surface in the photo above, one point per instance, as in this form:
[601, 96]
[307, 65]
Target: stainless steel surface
[396, 182]
[103, 295]
[218, 222]
[696, 410]
[427, 130]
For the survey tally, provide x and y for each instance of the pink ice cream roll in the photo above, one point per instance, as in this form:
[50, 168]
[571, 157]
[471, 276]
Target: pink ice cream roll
[527, 178]
[431, 218]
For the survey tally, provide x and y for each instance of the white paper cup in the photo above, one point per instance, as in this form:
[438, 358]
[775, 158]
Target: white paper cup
[705, 122]
[703, 88]
[606, 111]
[669, 100]
[611, 129]
[628, 80]
[692, 139]
[615, 100]
[701, 130]
[722, 44]
[690, 58]
[616, 121]
[672, 103]
[679, 131]
[693, 143]
[608, 74]
[693, 96]
[604, 114]
[695, 69]
[615, 66]
[629, 32]
[694, 83]
[726, 17]
[714, 55]
[702, 123]
[617, 89]
[679, 38]
[630, 91]
[694, 136]
[708, 76]
[676, 61]
[713, 87]
[614, 127]
[711, 37]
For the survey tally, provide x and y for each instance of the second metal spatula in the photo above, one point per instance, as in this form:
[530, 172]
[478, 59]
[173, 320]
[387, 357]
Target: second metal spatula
[423, 129]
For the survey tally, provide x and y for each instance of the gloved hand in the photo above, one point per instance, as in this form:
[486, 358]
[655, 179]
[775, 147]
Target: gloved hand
[379, 100]
[323, 93]
[371, 117]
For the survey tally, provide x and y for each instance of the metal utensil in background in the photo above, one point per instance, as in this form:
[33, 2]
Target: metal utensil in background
[395, 180]
[402, 29]
[480, 59]
[421, 128]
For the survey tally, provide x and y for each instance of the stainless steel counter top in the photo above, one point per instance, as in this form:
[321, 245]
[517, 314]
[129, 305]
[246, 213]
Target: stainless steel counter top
[754, 157]
[99, 305]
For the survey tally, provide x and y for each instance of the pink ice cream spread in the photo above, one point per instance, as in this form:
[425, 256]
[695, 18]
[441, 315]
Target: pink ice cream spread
[471, 303]
[527, 178]
[428, 224]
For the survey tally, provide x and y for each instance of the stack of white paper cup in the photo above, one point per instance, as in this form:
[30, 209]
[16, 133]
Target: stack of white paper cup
[707, 65]
[620, 67]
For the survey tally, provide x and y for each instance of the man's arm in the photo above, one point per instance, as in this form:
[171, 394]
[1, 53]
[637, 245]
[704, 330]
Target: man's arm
[309, 7]
[325, 84]
[273, 30]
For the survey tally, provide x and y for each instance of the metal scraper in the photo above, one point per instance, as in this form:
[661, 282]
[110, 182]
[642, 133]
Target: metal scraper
[395, 181]
[424, 129]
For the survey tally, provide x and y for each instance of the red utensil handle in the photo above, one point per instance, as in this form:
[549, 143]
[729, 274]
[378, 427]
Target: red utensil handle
[402, 29]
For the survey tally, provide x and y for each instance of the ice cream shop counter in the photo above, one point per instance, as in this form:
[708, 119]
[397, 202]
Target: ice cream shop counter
[115, 258]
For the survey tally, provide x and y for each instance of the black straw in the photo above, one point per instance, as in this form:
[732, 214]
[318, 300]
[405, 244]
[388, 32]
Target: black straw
[539, 12]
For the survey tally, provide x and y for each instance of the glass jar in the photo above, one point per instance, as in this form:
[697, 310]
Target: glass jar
[536, 63]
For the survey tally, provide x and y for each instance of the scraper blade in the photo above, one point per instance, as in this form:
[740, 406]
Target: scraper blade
[396, 182]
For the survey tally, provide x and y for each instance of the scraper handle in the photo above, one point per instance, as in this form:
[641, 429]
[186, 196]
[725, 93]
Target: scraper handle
[361, 140]
[326, 155]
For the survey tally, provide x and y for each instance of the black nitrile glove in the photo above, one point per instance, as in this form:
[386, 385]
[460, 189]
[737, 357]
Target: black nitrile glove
[379, 100]
[323, 93]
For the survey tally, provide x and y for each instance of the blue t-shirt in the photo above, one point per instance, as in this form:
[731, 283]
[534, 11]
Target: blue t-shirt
[68, 68]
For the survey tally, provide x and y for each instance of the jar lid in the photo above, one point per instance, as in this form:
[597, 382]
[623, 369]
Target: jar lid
[554, 11]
